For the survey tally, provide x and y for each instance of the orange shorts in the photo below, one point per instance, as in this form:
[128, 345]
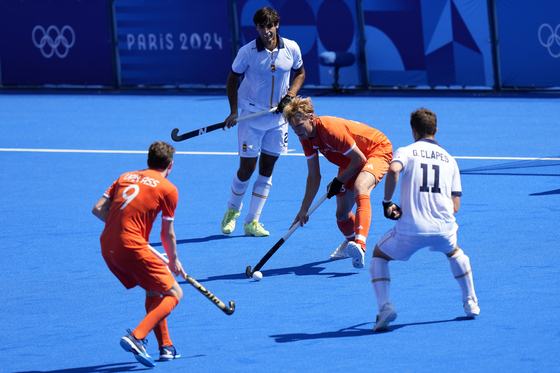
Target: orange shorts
[149, 273]
[377, 165]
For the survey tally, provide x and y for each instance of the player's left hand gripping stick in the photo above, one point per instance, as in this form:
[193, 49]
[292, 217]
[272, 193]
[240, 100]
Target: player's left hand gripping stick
[280, 242]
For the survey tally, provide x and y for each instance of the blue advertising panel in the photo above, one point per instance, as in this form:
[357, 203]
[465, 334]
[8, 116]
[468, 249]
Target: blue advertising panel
[529, 34]
[173, 42]
[317, 26]
[55, 42]
[428, 42]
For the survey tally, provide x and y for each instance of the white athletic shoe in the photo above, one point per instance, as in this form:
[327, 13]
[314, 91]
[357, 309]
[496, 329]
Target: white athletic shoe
[341, 252]
[387, 315]
[471, 308]
[357, 253]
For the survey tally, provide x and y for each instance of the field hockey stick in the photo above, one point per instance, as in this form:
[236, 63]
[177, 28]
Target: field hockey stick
[211, 297]
[202, 131]
[280, 242]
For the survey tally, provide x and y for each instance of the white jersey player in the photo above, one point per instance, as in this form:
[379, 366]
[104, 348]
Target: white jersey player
[265, 64]
[429, 198]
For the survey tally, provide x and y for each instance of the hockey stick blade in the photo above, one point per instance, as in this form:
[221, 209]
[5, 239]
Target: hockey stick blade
[198, 132]
[260, 264]
[211, 297]
[201, 131]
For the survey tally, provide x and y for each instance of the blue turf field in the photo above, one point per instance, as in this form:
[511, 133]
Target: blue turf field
[63, 311]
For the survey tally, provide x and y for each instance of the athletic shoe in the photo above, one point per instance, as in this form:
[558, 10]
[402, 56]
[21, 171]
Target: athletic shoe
[228, 223]
[471, 308]
[255, 229]
[168, 353]
[387, 315]
[357, 253]
[136, 346]
[341, 252]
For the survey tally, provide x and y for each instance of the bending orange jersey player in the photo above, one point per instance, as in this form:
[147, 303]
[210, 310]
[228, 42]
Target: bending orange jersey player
[362, 154]
[129, 208]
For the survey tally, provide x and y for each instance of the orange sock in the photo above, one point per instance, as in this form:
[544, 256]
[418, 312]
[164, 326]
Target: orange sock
[347, 227]
[363, 218]
[155, 316]
[161, 332]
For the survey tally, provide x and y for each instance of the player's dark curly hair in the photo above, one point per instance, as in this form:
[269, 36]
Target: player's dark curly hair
[160, 155]
[265, 16]
[424, 122]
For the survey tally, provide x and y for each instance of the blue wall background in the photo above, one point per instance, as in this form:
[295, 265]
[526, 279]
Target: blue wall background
[179, 43]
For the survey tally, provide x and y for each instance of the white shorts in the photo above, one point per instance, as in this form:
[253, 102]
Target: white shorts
[267, 134]
[401, 246]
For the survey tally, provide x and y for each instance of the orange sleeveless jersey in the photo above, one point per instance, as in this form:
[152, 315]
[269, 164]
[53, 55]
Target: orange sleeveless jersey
[335, 137]
[137, 198]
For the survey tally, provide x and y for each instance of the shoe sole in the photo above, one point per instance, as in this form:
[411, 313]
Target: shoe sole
[169, 358]
[384, 326]
[357, 257]
[256, 234]
[473, 314]
[141, 357]
[339, 256]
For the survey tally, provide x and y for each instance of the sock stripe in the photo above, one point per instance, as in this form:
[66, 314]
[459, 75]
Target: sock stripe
[259, 195]
[237, 194]
[380, 279]
[464, 274]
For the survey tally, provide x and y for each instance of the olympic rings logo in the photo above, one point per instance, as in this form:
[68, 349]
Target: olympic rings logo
[49, 41]
[554, 37]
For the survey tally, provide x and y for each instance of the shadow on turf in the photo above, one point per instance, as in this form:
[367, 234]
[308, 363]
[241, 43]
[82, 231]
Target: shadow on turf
[309, 269]
[108, 368]
[201, 239]
[353, 331]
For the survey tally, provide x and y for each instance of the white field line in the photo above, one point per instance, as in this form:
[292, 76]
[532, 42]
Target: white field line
[232, 153]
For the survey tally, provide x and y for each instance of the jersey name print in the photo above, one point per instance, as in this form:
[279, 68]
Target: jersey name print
[429, 178]
[136, 200]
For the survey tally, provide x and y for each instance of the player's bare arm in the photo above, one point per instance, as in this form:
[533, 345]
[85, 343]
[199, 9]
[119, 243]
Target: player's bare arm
[169, 243]
[357, 161]
[101, 208]
[391, 182]
[311, 189]
[231, 90]
[297, 81]
[456, 203]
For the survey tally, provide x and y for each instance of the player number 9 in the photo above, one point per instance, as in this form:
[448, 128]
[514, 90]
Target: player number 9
[128, 198]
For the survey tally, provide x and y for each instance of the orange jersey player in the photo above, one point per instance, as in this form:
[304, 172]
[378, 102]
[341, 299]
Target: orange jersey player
[362, 154]
[129, 208]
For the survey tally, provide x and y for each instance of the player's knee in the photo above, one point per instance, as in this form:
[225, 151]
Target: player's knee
[176, 291]
[341, 215]
[457, 252]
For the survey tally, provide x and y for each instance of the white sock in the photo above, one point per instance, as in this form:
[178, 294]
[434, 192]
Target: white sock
[461, 269]
[238, 189]
[381, 280]
[261, 188]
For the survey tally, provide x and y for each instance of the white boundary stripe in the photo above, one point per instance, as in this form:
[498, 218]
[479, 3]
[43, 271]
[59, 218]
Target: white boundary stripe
[232, 153]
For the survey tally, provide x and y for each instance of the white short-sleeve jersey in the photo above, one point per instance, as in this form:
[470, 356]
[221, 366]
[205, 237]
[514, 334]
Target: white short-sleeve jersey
[430, 176]
[267, 73]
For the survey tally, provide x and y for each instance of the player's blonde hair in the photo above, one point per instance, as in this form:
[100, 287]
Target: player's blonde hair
[298, 106]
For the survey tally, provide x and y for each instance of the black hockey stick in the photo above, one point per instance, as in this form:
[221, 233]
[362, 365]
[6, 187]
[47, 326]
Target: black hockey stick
[211, 297]
[280, 242]
[201, 131]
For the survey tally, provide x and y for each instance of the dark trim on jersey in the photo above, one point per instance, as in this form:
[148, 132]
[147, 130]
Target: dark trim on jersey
[429, 141]
[234, 73]
[458, 194]
[260, 45]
